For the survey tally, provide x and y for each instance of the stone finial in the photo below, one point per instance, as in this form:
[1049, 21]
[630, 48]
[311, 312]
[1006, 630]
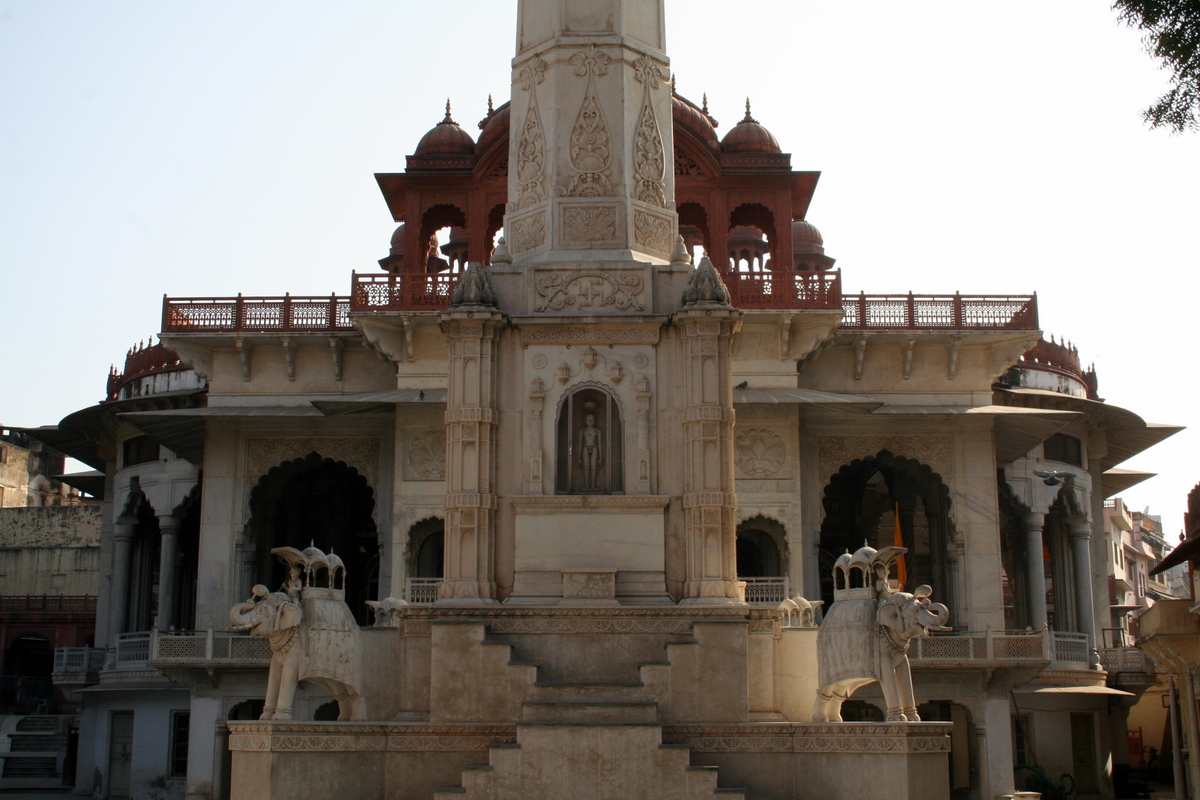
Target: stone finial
[705, 286]
[474, 288]
[680, 254]
[500, 254]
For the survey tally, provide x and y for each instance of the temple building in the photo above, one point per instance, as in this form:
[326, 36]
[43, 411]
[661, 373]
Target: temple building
[568, 455]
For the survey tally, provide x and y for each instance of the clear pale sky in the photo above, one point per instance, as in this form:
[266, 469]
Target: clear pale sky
[209, 148]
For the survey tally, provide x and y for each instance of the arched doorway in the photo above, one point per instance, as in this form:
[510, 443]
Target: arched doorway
[426, 560]
[316, 500]
[1014, 570]
[761, 552]
[26, 686]
[861, 504]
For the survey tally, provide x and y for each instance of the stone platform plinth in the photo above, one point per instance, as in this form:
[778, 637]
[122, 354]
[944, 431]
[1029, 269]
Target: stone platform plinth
[407, 761]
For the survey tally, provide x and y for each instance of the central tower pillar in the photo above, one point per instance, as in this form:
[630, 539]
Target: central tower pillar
[591, 151]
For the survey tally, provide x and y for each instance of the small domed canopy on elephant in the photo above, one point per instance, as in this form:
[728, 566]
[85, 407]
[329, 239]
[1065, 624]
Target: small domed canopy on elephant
[313, 635]
[867, 632]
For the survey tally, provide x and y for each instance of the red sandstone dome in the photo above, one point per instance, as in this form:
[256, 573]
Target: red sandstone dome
[748, 136]
[806, 238]
[493, 127]
[696, 120]
[446, 138]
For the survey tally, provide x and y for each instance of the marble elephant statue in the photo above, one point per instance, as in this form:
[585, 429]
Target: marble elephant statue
[388, 611]
[313, 637]
[866, 635]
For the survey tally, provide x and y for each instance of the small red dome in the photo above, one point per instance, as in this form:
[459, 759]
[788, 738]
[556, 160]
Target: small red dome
[748, 136]
[687, 115]
[446, 138]
[493, 127]
[806, 239]
[397, 248]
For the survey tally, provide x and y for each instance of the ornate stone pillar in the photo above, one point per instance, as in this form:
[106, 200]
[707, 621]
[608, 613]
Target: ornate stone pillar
[168, 525]
[123, 530]
[1035, 569]
[707, 323]
[472, 326]
[1080, 532]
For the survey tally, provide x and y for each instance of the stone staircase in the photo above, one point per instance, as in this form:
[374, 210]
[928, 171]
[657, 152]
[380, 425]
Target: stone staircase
[602, 735]
[32, 749]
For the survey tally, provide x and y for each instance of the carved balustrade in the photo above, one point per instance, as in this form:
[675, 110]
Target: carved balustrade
[403, 291]
[940, 312]
[423, 591]
[1125, 659]
[78, 660]
[286, 314]
[766, 591]
[208, 649]
[785, 290]
[988, 647]
[49, 604]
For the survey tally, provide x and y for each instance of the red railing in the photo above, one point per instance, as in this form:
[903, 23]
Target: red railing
[285, 314]
[940, 312]
[142, 360]
[54, 603]
[785, 290]
[403, 291]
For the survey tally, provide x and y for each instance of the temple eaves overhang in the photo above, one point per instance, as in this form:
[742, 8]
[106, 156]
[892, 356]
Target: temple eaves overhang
[1117, 480]
[90, 481]
[1127, 433]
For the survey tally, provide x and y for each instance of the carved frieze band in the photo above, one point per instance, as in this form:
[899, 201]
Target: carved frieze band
[935, 451]
[360, 453]
[590, 145]
[811, 738]
[631, 334]
[679, 627]
[304, 738]
[620, 291]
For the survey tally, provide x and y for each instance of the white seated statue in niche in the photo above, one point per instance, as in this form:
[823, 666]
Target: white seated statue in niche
[591, 452]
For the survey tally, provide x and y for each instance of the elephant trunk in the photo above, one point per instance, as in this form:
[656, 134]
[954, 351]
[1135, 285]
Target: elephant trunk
[237, 616]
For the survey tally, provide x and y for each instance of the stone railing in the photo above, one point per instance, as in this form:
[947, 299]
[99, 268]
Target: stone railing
[1067, 646]
[286, 314]
[403, 291]
[1125, 659]
[72, 661]
[988, 647]
[423, 591]
[952, 312]
[208, 648]
[131, 651]
[785, 290]
[765, 591]
[50, 603]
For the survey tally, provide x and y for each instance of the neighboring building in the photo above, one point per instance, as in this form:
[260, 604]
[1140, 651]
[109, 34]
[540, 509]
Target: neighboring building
[31, 473]
[588, 454]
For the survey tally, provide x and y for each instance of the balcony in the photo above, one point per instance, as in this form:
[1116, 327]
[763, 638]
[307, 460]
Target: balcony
[1125, 659]
[286, 314]
[208, 649]
[58, 604]
[131, 651]
[765, 591]
[936, 312]
[785, 290]
[402, 291]
[422, 591]
[991, 648]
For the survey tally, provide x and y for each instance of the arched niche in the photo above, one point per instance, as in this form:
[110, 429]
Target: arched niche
[860, 503]
[319, 501]
[590, 442]
[426, 548]
[761, 548]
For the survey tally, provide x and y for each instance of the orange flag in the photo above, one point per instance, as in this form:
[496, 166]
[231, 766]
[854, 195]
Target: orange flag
[898, 541]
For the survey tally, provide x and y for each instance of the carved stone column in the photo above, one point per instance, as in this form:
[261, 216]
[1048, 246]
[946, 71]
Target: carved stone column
[707, 324]
[168, 525]
[537, 399]
[472, 326]
[1035, 569]
[1080, 534]
[123, 530]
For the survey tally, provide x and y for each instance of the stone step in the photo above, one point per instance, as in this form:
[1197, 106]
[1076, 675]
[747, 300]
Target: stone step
[30, 767]
[38, 722]
[585, 713]
[47, 742]
[589, 691]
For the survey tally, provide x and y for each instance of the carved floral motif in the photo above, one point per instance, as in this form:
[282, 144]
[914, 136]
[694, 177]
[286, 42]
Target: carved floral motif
[590, 145]
[649, 156]
[935, 451]
[583, 224]
[651, 232]
[685, 164]
[589, 290]
[527, 233]
[427, 454]
[759, 453]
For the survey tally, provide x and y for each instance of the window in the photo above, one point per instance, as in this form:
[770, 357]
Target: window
[180, 720]
[1020, 728]
[139, 450]
[1066, 449]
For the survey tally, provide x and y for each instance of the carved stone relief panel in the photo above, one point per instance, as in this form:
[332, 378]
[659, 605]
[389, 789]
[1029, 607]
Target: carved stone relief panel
[526, 233]
[589, 224]
[360, 453]
[653, 232]
[531, 147]
[760, 453]
[649, 155]
[590, 291]
[934, 450]
[590, 145]
[425, 455]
